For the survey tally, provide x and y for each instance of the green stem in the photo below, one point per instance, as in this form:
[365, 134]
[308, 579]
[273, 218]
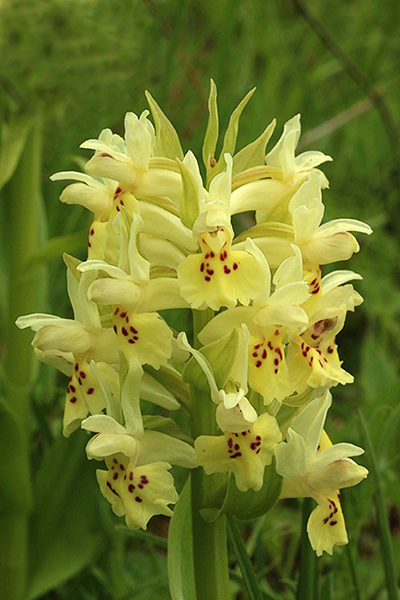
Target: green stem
[22, 211]
[210, 552]
[307, 586]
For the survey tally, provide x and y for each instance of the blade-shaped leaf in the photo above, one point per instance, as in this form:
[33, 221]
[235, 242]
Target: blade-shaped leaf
[65, 532]
[180, 549]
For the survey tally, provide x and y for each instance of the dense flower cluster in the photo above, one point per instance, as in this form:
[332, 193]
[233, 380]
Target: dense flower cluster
[162, 238]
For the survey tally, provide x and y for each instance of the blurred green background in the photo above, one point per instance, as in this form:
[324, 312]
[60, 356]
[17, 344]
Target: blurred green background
[77, 67]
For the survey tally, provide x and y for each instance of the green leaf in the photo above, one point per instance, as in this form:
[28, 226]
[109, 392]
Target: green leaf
[250, 504]
[387, 552]
[12, 141]
[15, 490]
[54, 248]
[65, 532]
[167, 140]
[253, 154]
[229, 144]
[180, 549]
[244, 561]
[220, 355]
[212, 131]
[189, 204]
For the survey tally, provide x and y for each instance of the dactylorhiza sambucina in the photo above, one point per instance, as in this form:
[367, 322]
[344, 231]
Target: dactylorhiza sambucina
[265, 355]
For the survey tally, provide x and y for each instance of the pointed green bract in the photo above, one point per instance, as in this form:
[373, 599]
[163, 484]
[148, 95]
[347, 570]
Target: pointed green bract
[212, 131]
[189, 205]
[230, 136]
[221, 355]
[167, 140]
[250, 504]
[253, 154]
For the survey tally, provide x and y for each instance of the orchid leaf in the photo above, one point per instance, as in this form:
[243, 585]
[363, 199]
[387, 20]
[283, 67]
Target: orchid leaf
[180, 549]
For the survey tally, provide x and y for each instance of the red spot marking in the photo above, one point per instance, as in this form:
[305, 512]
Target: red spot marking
[115, 476]
[258, 363]
[122, 467]
[230, 442]
[236, 455]
[91, 232]
[258, 438]
[90, 391]
[115, 328]
[123, 315]
[131, 476]
[257, 347]
[82, 374]
[226, 269]
[115, 461]
[333, 523]
[207, 278]
[222, 257]
[131, 487]
[72, 388]
[270, 346]
[79, 381]
[89, 245]
[138, 499]
[237, 447]
[116, 311]
[304, 354]
[140, 486]
[132, 329]
[276, 331]
[202, 267]
[330, 350]
[212, 254]
[76, 367]
[207, 255]
[117, 207]
[135, 337]
[124, 331]
[144, 479]
[127, 319]
[131, 341]
[255, 354]
[314, 281]
[112, 489]
[276, 361]
[235, 266]
[105, 155]
[117, 191]
[264, 354]
[121, 202]
[276, 371]
[73, 400]
[210, 272]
